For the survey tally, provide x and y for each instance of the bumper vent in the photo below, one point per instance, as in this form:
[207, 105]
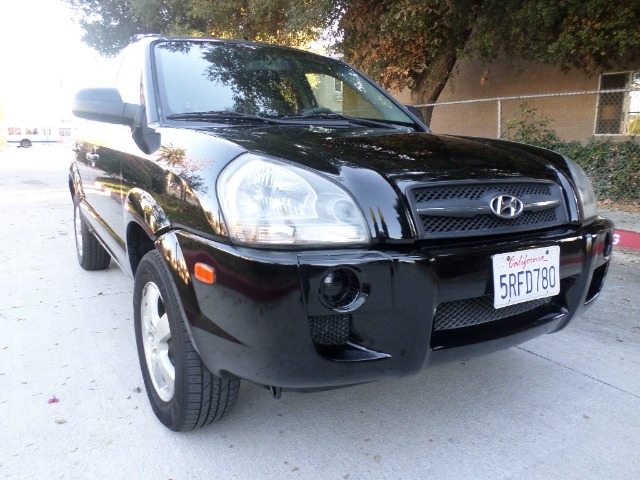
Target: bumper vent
[475, 311]
[329, 330]
[463, 209]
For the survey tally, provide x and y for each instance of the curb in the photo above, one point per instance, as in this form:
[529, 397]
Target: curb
[626, 239]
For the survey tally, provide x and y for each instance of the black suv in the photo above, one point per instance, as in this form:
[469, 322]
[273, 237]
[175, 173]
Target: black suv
[287, 222]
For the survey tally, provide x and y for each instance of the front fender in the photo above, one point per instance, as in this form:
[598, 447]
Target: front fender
[169, 248]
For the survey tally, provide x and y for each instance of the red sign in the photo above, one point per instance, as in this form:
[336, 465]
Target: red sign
[626, 239]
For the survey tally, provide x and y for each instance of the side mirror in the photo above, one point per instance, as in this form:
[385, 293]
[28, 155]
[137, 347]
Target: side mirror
[105, 105]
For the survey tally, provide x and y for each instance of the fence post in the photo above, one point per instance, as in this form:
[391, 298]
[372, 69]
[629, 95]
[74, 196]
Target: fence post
[499, 119]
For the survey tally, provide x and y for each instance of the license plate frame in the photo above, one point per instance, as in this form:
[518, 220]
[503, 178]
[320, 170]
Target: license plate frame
[525, 275]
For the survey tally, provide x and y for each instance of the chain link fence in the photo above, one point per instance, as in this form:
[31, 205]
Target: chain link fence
[574, 116]
[600, 129]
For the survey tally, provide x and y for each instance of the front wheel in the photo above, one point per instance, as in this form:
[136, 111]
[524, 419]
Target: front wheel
[182, 392]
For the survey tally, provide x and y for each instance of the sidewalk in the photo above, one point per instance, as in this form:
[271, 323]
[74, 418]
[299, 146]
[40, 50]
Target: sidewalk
[627, 232]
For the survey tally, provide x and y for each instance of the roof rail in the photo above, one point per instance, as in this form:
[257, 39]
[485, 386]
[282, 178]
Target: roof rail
[140, 36]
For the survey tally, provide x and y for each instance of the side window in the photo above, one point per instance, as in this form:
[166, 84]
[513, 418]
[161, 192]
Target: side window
[129, 76]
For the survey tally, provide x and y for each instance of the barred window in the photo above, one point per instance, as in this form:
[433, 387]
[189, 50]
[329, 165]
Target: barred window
[619, 111]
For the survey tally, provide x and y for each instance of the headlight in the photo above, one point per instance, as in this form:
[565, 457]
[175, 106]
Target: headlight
[267, 202]
[585, 190]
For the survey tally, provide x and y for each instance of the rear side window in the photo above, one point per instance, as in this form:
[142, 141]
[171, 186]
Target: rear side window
[129, 76]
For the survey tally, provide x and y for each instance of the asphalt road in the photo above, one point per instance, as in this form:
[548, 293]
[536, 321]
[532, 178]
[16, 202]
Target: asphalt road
[564, 406]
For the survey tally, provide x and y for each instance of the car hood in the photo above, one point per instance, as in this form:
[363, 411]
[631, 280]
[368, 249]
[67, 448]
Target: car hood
[379, 166]
[401, 158]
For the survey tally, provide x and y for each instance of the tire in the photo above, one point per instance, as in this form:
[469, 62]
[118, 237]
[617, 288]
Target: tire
[91, 254]
[182, 392]
[25, 143]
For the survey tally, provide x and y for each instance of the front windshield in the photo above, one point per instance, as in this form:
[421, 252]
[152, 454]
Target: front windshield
[264, 80]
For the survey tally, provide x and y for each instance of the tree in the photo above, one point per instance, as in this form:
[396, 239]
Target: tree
[415, 44]
[110, 24]
[409, 43]
[400, 43]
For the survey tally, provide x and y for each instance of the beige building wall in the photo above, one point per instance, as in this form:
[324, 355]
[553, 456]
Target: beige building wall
[572, 117]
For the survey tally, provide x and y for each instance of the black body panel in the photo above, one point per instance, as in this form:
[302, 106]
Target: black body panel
[312, 316]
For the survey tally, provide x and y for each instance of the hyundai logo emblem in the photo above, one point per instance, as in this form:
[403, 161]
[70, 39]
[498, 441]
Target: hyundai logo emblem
[506, 206]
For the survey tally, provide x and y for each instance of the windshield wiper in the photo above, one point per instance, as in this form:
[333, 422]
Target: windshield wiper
[365, 122]
[230, 116]
[221, 115]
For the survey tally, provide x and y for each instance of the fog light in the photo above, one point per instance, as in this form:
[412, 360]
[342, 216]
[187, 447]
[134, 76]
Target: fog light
[341, 290]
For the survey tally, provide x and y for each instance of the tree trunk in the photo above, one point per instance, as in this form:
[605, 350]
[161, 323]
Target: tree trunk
[432, 81]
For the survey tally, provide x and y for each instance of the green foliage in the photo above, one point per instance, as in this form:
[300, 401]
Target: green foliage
[408, 43]
[400, 43]
[110, 24]
[613, 167]
[532, 128]
[584, 34]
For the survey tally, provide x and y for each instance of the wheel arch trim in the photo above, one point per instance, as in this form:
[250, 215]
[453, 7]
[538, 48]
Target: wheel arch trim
[140, 207]
[168, 245]
[169, 248]
[75, 183]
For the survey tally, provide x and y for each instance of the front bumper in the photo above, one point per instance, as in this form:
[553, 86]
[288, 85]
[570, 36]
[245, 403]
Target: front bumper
[265, 319]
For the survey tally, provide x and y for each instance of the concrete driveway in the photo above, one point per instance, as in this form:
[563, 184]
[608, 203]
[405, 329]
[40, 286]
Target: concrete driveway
[564, 406]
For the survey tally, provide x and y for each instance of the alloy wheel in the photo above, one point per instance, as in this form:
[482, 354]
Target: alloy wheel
[156, 339]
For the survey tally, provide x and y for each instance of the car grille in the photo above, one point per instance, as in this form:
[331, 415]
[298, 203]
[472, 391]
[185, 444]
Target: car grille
[462, 209]
[474, 192]
[483, 223]
[475, 311]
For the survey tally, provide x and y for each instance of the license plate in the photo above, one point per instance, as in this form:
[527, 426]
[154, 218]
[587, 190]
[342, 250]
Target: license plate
[526, 275]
